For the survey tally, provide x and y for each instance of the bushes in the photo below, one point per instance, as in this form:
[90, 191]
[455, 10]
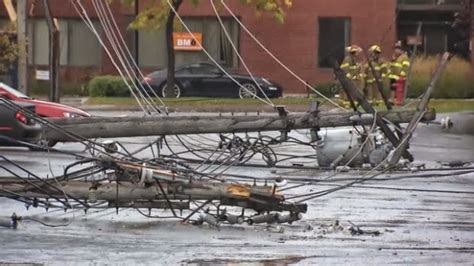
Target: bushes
[40, 87]
[108, 86]
[327, 89]
[456, 82]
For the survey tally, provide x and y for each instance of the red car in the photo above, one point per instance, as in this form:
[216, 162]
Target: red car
[43, 108]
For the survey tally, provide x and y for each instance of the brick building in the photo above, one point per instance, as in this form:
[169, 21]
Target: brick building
[313, 32]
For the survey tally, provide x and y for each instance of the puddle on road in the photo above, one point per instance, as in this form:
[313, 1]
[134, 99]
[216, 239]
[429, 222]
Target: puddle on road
[264, 262]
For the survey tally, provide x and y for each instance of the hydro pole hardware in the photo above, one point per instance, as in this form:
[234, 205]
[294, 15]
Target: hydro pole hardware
[351, 89]
[136, 186]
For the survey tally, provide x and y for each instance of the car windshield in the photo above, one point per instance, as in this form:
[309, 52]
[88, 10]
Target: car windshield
[12, 91]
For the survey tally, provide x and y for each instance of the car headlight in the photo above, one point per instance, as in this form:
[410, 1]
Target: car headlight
[71, 115]
[271, 88]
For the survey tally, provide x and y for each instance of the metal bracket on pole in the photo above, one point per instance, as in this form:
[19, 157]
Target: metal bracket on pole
[314, 111]
[284, 115]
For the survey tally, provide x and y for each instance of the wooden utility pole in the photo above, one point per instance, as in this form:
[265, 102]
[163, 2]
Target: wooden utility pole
[22, 50]
[103, 127]
[352, 91]
[421, 108]
[54, 50]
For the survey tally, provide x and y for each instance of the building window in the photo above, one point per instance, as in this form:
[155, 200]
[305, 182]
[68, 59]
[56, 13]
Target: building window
[78, 45]
[334, 36]
[152, 44]
[84, 48]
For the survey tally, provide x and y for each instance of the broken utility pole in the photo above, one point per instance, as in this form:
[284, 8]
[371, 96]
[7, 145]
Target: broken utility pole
[421, 108]
[351, 89]
[103, 127]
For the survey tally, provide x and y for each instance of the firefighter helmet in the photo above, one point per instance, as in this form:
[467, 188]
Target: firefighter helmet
[375, 49]
[398, 45]
[353, 49]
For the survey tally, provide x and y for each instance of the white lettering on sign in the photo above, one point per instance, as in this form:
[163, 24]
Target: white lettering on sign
[184, 42]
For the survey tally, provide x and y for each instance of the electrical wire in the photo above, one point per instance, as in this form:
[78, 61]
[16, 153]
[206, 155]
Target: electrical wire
[278, 60]
[229, 38]
[86, 19]
[210, 57]
[120, 48]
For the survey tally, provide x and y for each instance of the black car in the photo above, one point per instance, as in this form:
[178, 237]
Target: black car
[14, 124]
[207, 80]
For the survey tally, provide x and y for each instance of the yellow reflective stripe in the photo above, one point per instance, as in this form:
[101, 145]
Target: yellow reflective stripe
[406, 63]
[393, 76]
[344, 65]
[397, 65]
[353, 67]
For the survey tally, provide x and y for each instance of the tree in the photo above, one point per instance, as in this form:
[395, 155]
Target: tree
[8, 50]
[159, 12]
[462, 29]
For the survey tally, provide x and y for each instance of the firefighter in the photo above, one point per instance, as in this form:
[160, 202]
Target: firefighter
[380, 67]
[352, 66]
[399, 67]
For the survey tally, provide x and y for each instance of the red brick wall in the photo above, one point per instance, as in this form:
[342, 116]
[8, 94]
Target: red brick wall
[294, 42]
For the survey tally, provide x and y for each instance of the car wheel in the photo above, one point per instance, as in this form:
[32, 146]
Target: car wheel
[176, 90]
[248, 91]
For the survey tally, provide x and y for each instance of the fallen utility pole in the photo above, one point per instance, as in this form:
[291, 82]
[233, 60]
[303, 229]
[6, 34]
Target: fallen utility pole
[420, 109]
[351, 89]
[102, 127]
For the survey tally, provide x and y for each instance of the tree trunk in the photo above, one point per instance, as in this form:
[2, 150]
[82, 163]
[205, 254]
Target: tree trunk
[170, 49]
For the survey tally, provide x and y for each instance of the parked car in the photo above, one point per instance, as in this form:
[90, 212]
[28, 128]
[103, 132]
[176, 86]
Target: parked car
[205, 79]
[43, 108]
[16, 125]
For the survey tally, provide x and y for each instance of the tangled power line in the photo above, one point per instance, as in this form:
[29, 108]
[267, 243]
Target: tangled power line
[174, 178]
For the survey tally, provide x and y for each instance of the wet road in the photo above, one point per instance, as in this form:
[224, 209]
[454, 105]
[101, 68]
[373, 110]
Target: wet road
[420, 220]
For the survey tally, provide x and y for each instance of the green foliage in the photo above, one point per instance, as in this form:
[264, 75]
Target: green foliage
[457, 80]
[108, 86]
[157, 11]
[41, 88]
[327, 89]
[8, 49]
[274, 7]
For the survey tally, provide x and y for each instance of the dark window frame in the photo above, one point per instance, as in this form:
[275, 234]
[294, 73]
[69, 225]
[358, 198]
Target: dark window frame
[323, 56]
